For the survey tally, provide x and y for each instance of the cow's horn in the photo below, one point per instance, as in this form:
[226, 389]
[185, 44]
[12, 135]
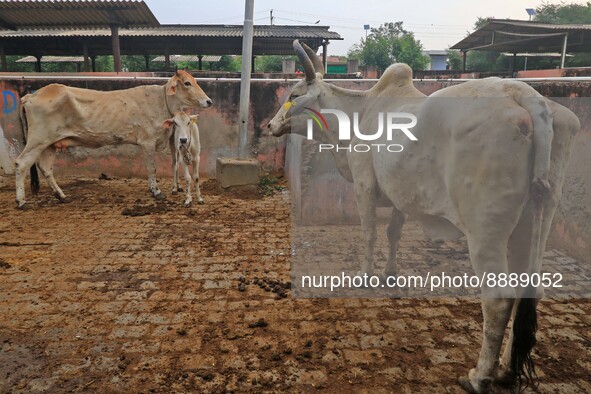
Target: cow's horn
[305, 60]
[318, 66]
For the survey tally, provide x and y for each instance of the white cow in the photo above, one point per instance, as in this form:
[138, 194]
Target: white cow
[185, 148]
[58, 116]
[489, 164]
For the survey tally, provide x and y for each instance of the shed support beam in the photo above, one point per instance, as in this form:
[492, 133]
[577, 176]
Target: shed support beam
[464, 53]
[324, 56]
[116, 47]
[4, 63]
[38, 64]
[86, 59]
[147, 59]
[200, 57]
[166, 60]
[93, 62]
[563, 54]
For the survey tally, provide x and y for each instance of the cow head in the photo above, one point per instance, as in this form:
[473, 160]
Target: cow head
[181, 124]
[305, 93]
[183, 86]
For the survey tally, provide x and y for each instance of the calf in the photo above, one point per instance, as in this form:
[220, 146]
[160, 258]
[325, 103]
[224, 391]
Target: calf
[185, 148]
[58, 116]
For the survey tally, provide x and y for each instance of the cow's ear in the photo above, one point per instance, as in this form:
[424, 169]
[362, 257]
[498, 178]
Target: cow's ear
[167, 124]
[194, 118]
[171, 88]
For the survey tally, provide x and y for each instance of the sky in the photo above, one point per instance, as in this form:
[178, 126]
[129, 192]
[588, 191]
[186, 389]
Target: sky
[437, 24]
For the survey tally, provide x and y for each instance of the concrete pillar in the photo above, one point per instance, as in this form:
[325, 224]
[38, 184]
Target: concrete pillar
[116, 47]
[247, 67]
[200, 57]
[352, 66]
[288, 66]
[166, 60]
[147, 59]
[93, 62]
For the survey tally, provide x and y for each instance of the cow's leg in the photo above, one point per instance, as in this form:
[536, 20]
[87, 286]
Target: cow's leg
[488, 252]
[175, 167]
[188, 181]
[149, 152]
[366, 205]
[196, 178]
[45, 164]
[23, 163]
[394, 234]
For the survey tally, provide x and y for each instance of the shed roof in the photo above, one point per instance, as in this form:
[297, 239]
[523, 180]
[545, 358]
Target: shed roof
[52, 59]
[188, 58]
[507, 35]
[61, 13]
[178, 39]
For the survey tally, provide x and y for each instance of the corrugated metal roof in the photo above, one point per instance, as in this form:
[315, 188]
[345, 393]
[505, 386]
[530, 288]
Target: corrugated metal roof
[63, 13]
[188, 58]
[521, 36]
[218, 31]
[52, 59]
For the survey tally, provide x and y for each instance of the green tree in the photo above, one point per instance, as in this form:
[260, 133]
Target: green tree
[228, 63]
[564, 13]
[273, 63]
[134, 63]
[387, 44]
[454, 59]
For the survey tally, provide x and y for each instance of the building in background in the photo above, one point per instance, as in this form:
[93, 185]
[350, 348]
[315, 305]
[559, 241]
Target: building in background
[438, 59]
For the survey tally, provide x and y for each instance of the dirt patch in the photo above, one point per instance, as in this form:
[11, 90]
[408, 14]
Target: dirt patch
[143, 210]
[190, 300]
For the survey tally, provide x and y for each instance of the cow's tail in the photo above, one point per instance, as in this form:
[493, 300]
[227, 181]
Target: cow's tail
[525, 324]
[35, 185]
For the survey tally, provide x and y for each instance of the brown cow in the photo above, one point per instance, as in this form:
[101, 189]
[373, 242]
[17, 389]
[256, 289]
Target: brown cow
[58, 116]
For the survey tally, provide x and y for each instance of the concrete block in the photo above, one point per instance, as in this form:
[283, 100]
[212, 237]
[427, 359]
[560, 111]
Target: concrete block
[237, 172]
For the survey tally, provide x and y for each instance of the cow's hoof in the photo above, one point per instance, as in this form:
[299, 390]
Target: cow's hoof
[63, 200]
[180, 189]
[188, 204]
[160, 196]
[24, 207]
[506, 379]
[483, 388]
[466, 385]
[200, 201]
[174, 192]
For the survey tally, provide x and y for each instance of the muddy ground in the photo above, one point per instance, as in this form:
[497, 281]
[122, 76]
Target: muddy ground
[116, 293]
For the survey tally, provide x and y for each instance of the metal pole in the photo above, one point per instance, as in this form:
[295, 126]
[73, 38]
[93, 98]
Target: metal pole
[563, 54]
[245, 79]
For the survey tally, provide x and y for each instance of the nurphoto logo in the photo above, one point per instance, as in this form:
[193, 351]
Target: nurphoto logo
[402, 121]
